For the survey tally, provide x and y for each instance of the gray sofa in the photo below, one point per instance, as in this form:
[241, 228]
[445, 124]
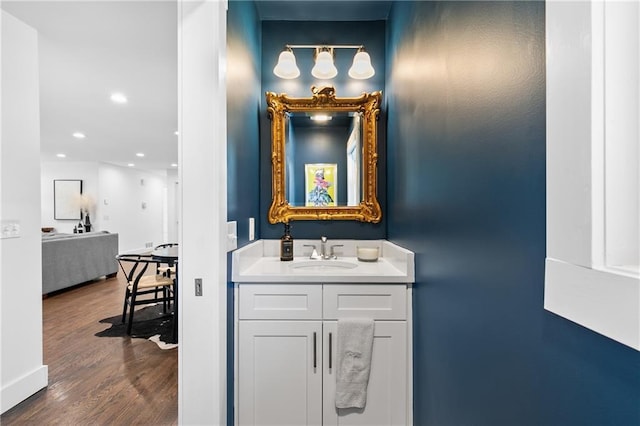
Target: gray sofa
[70, 259]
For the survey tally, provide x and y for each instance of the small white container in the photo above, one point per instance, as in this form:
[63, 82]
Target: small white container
[368, 254]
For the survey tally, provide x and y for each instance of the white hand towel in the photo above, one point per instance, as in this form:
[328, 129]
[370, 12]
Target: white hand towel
[355, 345]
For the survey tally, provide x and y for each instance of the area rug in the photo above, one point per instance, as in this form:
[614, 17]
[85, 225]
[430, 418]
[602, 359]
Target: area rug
[148, 323]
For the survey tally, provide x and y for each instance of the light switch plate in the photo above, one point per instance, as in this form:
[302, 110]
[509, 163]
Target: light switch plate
[10, 229]
[232, 235]
[252, 229]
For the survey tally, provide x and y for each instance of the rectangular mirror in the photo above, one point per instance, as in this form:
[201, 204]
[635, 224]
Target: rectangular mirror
[324, 157]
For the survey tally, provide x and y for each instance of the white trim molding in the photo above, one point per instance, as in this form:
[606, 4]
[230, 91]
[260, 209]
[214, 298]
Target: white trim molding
[22, 388]
[579, 283]
[202, 118]
[602, 301]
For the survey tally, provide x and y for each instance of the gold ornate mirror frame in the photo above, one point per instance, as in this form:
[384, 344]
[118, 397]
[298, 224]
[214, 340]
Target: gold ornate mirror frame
[325, 100]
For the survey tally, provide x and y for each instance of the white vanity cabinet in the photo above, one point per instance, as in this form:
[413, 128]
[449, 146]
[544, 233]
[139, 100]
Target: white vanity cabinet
[277, 382]
[286, 353]
[387, 389]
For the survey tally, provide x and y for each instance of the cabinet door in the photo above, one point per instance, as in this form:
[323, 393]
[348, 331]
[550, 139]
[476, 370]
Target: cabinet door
[387, 389]
[277, 381]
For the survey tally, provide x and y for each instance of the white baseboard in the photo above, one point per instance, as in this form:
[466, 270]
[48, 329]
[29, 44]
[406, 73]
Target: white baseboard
[22, 388]
[605, 302]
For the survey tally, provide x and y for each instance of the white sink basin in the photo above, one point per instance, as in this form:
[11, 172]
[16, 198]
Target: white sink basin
[323, 264]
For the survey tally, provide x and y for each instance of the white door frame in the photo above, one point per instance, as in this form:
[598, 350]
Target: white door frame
[202, 363]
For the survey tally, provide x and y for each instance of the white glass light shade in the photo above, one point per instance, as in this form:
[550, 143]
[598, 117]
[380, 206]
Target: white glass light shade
[361, 68]
[324, 68]
[286, 66]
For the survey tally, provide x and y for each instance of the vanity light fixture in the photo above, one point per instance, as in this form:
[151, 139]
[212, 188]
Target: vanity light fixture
[321, 117]
[324, 67]
[286, 66]
[361, 68]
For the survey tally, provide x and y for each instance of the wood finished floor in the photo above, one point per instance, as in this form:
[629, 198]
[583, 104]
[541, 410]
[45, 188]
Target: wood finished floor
[98, 380]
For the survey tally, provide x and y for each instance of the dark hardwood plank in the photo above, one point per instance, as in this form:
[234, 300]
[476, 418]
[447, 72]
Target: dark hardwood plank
[98, 380]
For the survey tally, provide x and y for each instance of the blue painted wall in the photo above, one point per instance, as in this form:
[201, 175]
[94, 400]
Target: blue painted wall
[243, 146]
[277, 34]
[243, 104]
[465, 98]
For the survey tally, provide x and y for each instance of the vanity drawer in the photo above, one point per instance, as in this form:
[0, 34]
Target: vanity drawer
[280, 301]
[376, 301]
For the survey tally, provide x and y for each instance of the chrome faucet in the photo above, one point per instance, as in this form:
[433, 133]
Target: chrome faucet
[323, 249]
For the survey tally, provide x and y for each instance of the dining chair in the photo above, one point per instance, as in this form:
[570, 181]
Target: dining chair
[166, 269]
[143, 288]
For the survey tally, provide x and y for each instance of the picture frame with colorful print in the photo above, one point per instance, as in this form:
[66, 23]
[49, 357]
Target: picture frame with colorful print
[321, 181]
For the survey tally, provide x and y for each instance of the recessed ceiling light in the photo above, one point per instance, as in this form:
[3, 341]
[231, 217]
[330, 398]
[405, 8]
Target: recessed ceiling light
[79, 135]
[60, 155]
[140, 154]
[176, 133]
[130, 164]
[118, 98]
[174, 165]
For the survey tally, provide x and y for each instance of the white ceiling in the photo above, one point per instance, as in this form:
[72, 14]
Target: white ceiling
[89, 49]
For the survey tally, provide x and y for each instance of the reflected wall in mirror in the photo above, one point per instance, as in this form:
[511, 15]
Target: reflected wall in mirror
[324, 157]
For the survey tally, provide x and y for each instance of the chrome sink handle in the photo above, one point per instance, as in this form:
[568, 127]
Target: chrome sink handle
[314, 252]
[332, 254]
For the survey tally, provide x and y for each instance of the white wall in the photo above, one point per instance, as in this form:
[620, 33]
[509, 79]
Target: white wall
[21, 370]
[131, 203]
[85, 171]
[173, 213]
[118, 194]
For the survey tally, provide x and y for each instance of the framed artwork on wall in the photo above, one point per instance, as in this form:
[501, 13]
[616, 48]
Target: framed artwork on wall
[320, 184]
[67, 196]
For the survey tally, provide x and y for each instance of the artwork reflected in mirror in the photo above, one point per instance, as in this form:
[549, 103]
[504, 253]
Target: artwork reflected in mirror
[324, 157]
[320, 184]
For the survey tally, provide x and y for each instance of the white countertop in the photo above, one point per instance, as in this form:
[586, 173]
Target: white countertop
[260, 262]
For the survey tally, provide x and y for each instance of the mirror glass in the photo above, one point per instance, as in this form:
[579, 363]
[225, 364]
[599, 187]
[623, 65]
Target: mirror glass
[324, 156]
